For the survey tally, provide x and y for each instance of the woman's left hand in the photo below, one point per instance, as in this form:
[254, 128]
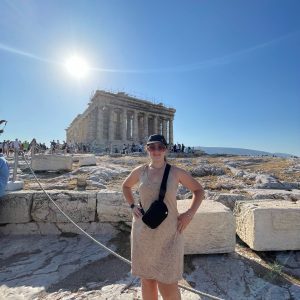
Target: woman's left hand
[183, 221]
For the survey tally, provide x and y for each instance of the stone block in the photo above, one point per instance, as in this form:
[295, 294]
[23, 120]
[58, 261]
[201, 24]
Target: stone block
[20, 229]
[15, 185]
[111, 207]
[227, 199]
[212, 229]
[87, 160]
[90, 227]
[15, 207]
[269, 225]
[53, 162]
[80, 206]
[117, 154]
[42, 228]
[75, 157]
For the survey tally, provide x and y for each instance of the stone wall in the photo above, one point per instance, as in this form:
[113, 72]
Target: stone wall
[262, 224]
[31, 212]
[211, 231]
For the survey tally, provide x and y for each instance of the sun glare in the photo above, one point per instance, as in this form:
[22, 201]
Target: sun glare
[77, 66]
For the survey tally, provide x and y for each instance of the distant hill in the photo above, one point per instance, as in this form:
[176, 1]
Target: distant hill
[239, 151]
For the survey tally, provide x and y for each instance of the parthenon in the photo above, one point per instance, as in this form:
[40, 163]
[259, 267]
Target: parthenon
[117, 118]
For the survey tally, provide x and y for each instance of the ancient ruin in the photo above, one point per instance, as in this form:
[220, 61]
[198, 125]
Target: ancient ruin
[114, 119]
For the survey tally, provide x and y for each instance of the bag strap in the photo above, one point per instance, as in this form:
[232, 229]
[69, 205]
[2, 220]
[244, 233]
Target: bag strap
[163, 186]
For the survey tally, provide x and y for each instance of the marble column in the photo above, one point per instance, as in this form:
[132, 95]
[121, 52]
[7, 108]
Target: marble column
[155, 124]
[89, 136]
[146, 129]
[129, 124]
[84, 131]
[93, 125]
[100, 125]
[79, 137]
[124, 125]
[111, 124]
[164, 128]
[75, 132]
[80, 132]
[160, 125]
[67, 136]
[135, 126]
[171, 131]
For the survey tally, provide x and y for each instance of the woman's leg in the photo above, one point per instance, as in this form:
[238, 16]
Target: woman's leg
[169, 291]
[149, 289]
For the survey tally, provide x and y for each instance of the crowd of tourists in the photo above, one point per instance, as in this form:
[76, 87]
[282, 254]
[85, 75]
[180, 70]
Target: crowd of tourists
[9, 147]
[130, 148]
[56, 146]
[180, 148]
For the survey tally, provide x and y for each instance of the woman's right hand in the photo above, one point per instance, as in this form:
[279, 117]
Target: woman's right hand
[137, 212]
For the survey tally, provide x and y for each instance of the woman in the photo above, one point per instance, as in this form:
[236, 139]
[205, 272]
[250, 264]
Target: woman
[157, 254]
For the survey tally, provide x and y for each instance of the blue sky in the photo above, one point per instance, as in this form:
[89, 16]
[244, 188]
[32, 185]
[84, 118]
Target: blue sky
[231, 69]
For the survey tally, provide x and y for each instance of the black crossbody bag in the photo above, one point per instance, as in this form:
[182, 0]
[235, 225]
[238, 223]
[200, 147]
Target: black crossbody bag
[158, 210]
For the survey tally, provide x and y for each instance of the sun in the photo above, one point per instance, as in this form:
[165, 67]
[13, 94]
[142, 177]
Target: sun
[77, 66]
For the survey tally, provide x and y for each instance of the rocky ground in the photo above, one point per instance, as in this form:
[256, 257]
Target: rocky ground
[73, 267]
[216, 173]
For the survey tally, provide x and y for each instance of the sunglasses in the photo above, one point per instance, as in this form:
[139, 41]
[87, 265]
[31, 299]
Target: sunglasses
[152, 148]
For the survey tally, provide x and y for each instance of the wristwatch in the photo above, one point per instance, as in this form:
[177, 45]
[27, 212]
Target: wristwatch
[132, 205]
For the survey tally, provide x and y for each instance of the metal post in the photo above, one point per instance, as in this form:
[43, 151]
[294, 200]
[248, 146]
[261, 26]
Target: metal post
[15, 165]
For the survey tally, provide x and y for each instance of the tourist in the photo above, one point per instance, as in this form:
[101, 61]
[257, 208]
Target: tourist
[43, 146]
[88, 147]
[57, 146]
[11, 148]
[65, 147]
[141, 147]
[6, 148]
[182, 147]
[186, 150]
[124, 149]
[16, 146]
[4, 173]
[32, 146]
[175, 148]
[132, 148]
[157, 254]
[25, 146]
[179, 147]
[52, 146]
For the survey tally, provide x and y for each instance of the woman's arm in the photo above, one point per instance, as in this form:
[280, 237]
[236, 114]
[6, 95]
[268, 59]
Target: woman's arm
[128, 183]
[195, 187]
